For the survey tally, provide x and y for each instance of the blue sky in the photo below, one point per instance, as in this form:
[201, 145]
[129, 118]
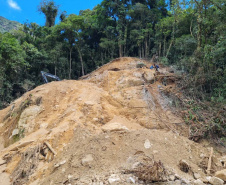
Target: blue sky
[26, 10]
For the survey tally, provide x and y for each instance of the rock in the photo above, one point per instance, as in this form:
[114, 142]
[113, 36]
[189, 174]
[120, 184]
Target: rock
[135, 165]
[177, 176]
[131, 180]
[147, 144]
[216, 181]
[172, 177]
[87, 159]
[184, 166]
[221, 174]
[59, 164]
[15, 132]
[113, 178]
[197, 176]
[149, 76]
[198, 182]
[114, 127]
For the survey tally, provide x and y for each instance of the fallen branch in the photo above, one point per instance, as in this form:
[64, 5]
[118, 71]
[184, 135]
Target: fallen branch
[21, 145]
[51, 149]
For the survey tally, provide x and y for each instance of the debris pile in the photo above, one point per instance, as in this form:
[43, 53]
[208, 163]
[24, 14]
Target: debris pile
[116, 125]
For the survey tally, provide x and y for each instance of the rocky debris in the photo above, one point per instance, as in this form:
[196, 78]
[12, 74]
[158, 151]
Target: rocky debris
[87, 160]
[184, 166]
[221, 174]
[216, 181]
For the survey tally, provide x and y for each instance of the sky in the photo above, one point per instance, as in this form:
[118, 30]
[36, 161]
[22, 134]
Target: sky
[27, 10]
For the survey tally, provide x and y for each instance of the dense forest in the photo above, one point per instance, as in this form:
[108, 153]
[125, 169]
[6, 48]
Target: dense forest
[191, 35]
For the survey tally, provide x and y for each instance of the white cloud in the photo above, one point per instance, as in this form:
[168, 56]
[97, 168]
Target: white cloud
[13, 5]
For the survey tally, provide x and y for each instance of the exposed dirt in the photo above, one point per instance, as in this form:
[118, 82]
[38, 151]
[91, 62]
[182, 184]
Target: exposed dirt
[100, 129]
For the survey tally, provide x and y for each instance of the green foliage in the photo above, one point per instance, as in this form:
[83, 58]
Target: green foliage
[190, 35]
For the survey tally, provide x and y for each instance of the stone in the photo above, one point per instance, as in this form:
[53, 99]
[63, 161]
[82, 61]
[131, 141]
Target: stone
[172, 177]
[59, 164]
[221, 174]
[114, 126]
[131, 180]
[184, 166]
[135, 165]
[147, 144]
[197, 175]
[149, 76]
[198, 182]
[87, 159]
[15, 132]
[113, 178]
[216, 181]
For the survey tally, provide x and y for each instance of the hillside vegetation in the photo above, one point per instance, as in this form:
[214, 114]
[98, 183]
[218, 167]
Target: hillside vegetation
[7, 25]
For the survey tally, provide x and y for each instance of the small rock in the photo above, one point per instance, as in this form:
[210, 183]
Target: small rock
[147, 144]
[69, 176]
[177, 176]
[135, 165]
[202, 155]
[113, 178]
[184, 166]
[87, 159]
[15, 132]
[155, 151]
[185, 181]
[59, 164]
[131, 180]
[221, 174]
[216, 181]
[172, 177]
[198, 182]
[197, 176]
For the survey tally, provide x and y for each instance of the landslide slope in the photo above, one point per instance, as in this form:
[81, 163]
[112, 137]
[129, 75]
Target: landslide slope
[101, 129]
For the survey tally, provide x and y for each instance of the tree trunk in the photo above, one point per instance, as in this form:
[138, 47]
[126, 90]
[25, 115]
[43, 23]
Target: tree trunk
[169, 48]
[146, 48]
[81, 60]
[160, 48]
[164, 46]
[120, 50]
[70, 64]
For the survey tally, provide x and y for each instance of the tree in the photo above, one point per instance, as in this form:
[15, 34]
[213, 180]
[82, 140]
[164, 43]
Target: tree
[71, 32]
[50, 10]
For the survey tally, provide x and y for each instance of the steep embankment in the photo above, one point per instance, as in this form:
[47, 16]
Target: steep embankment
[112, 126]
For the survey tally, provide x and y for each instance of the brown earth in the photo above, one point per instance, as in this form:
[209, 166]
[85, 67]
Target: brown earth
[102, 128]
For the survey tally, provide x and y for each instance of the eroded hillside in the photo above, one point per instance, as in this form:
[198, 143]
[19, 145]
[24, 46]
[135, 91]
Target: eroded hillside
[113, 126]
